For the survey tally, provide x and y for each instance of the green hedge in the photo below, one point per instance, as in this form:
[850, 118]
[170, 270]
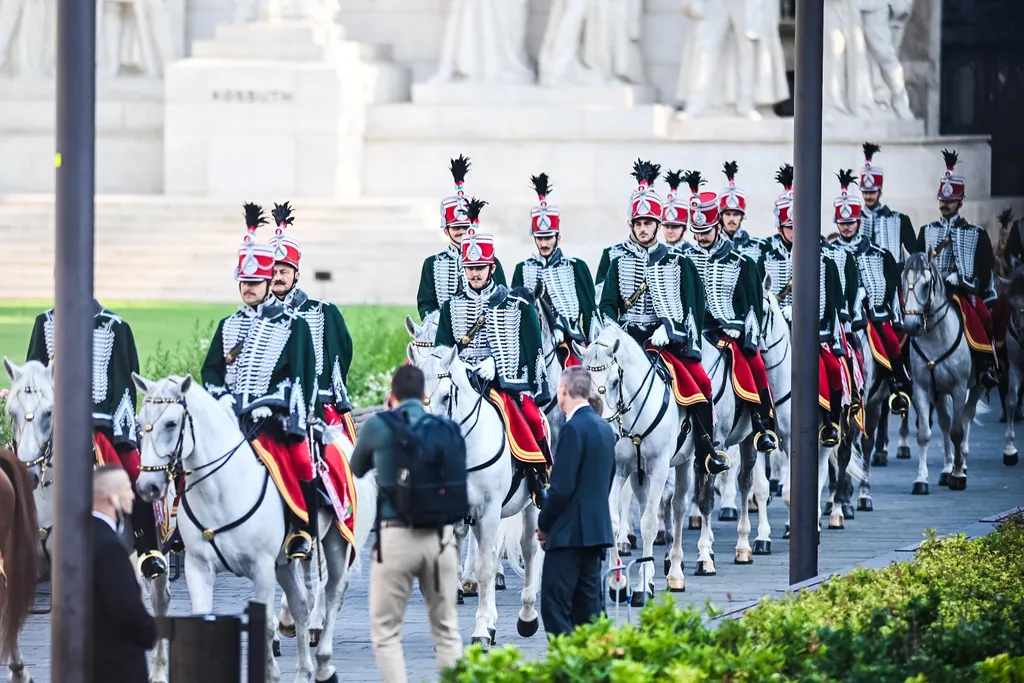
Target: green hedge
[955, 613]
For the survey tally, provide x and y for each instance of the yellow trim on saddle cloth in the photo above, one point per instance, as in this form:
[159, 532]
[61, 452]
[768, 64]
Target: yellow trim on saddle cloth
[739, 390]
[974, 343]
[350, 427]
[680, 399]
[824, 402]
[268, 461]
[98, 453]
[879, 354]
[350, 482]
[529, 457]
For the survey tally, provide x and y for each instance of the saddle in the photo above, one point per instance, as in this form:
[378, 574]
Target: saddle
[672, 370]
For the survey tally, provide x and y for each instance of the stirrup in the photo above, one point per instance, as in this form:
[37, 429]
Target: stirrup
[292, 537]
[770, 434]
[830, 441]
[722, 454]
[158, 558]
[894, 397]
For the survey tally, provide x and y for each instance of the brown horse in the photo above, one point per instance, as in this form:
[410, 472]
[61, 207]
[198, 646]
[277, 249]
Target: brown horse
[19, 549]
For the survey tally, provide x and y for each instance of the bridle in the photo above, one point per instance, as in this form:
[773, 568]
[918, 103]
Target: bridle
[45, 460]
[926, 312]
[474, 414]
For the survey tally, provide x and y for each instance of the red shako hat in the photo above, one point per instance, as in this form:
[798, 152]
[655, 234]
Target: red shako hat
[702, 208]
[732, 198]
[255, 261]
[477, 247]
[676, 207]
[286, 249]
[645, 201]
[545, 220]
[784, 204]
[847, 207]
[454, 208]
[871, 177]
[951, 187]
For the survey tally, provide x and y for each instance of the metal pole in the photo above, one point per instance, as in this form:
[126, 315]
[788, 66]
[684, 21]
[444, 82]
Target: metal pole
[71, 654]
[803, 547]
[257, 640]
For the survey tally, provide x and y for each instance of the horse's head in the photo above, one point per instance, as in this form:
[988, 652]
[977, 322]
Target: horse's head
[30, 407]
[422, 337]
[923, 293]
[602, 359]
[442, 368]
[166, 432]
[1011, 289]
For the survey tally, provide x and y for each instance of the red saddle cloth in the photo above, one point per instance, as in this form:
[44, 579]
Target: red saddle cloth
[571, 359]
[347, 424]
[977, 322]
[690, 383]
[830, 376]
[1001, 312]
[884, 343]
[749, 374]
[524, 426]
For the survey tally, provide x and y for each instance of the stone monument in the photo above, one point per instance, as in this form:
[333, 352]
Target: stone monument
[592, 42]
[483, 43]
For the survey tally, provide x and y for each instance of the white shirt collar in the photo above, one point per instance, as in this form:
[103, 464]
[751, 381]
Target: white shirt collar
[575, 410]
[111, 523]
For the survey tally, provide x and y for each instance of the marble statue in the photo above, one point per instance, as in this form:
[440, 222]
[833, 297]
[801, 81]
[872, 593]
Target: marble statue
[28, 38]
[592, 42]
[846, 75]
[138, 36]
[884, 22]
[733, 60]
[484, 42]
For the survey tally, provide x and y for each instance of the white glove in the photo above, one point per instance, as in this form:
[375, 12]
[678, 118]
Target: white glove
[694, 9]
[227, 402]
[660, 337]
[735, 334]
[787, 312]
[486, 370]
[258, 414]
[953, 279]
[559, 337]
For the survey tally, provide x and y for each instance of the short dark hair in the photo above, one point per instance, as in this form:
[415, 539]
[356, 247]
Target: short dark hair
[407, 382]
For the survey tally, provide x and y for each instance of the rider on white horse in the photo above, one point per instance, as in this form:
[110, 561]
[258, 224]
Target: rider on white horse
[733, 296]
[115, 358]
[568, 284]
[963, 254]
[777, 261]
[878, 303]
[261, 367]
[732, 207]
[498, 333]
[673, 216]
[332, 343]
[655, 294]
[890, 230]
[442, 274]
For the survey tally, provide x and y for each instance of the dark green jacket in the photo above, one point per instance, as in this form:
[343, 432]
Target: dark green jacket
[441, 277]
[375, 450]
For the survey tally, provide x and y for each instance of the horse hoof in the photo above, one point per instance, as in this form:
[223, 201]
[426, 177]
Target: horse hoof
[632, 541]
[660, 538]
[836, 523]
[696, 523]
[944, 479]
[460, 598]
[277, 648]
[286, 631]
[865, 505]
[1010, 459]
[762, 547]
[470, 589]
[314, 636]
[332, 679]
[903, 452]
[676, 584]
[785, 535]
[880, 459]
[828, 509]
[728, 515]
[957, 483]
[618, 595]
[668, 565]
[499, 582]
[638, 599]
[526, 628]
[744, 557]
[484, 643]
[704, 570]
[493, 634]
[625, 550]
[848, 512]
[920, 488]
[752, 505]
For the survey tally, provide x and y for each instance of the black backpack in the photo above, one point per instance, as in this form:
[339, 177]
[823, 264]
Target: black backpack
[430, 469]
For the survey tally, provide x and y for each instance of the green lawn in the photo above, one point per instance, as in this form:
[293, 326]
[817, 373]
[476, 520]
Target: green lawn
[172, 337]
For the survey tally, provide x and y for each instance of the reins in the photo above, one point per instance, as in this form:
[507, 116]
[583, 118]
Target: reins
[926, 314]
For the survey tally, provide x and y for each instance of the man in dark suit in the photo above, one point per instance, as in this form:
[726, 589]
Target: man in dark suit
[122, 628]
[575, 525]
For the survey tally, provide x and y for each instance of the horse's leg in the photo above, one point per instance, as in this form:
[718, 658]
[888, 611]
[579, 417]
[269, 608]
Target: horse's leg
[160, 598]
[649, 497]
[825, 454]
[319, 595]
[958, 434]
[527, 624]
[294, 586]
[676, 580]
[486, 532]
[335, 553]
[664, 532]
[903, 449]
[469, 585]
[727, 487]
[840, 482]
[748, 463]
[878, 438]
[922, 406]
[872, 425]
[1010, 449]
[617, 580]
[624, 527]
[19, 672]
[285, 624]
[704, 498]
[762, 494]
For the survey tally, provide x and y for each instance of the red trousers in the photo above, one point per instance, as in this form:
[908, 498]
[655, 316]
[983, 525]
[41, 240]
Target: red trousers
[757, 369]
[108, 454]
[533, 418]
[830, 374]
[700, 377]
[890, 341]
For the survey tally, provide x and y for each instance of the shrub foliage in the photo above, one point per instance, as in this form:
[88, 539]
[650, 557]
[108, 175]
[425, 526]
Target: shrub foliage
[955, 613]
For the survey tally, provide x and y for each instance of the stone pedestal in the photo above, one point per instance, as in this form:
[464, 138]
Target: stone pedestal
[272, 108]
[501, 94]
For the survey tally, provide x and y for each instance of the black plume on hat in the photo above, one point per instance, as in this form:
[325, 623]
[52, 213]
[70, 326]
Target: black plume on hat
[646, 172]
[950, 158]
[870, 149]
[254, 215]
[473, 210]
[459, 168]
[784, 176]
[845, 177]
[674, 179]
[541, 185]
[730, 168]
[1005, 217]
[283, 214]
[694, 180]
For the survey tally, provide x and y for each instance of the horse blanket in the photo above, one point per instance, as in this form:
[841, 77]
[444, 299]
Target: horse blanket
[568, 357]
[977, 322]
[749, 375]
[690, 383]
[524, 426]
[884, 343]
[345, 421]
[831, 376]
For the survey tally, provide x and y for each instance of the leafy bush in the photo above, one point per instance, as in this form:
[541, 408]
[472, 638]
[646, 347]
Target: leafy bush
[6, 436]
[955, 613]
[187, 356]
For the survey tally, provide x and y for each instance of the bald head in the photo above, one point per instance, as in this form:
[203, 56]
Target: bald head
[111, 488]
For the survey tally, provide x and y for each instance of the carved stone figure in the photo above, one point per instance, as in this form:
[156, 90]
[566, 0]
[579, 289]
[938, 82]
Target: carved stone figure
[483, 42]
[733, 58]
[138, 36]
[591, 42]
[846, 71]
[884, 22]
[28, 37]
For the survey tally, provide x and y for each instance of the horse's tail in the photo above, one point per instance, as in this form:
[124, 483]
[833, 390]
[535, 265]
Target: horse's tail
[510, 535]
[19, 552]
[854, 468]
[366, 515]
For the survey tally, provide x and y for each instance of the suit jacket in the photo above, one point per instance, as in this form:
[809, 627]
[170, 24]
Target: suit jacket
[123, 630]
[576, 512]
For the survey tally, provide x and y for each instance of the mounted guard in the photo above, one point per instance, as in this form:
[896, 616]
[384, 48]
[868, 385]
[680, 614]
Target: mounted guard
[114, 438]
[497, 332]
[777, 262]
[332, 343]
[673, 216]
[733, 210]
[568, 284]
[732, 292]
[261, 366]
[890, 230]
[877, 306]
[655, 294]
[442, 276]
[963, 254]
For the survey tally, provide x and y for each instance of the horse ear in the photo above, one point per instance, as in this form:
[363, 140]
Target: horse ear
[143, 384]
[409, 352]
[577, 349]
[615, 346]
[411, 326]
[767, 282]
[186, 383]
[13, 371]
[453, 355]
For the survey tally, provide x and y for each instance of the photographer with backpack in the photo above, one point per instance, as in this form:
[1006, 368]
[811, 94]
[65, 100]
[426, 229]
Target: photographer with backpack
[421, 474]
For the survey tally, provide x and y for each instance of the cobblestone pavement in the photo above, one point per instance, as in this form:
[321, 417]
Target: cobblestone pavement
[898, 521]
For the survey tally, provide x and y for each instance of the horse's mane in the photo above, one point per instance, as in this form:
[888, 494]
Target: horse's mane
[918, 261]
[627, 344]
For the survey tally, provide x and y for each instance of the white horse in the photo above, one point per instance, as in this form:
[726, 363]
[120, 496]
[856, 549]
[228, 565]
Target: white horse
[30, 407]
[491, 494]
[1011, 290]
[234, 517]
[941, 363]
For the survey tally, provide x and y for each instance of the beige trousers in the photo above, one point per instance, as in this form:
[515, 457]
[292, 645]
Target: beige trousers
[408, 554]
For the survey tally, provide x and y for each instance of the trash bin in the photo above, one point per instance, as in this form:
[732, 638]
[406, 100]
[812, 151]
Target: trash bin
[208, 648]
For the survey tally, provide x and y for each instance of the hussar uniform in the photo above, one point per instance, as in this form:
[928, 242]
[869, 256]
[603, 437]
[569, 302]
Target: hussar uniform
[441, 276]
[777, 263]
[733, 314]
[890, 230]
[655, 294]
[332, 342]
[676, 210]
[877, 302]
[114, 359]
[568, 284]
[963, 254]
[262, 362]
[734, 199]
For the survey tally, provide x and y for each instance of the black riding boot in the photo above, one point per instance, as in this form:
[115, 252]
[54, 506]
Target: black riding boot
[900, 387]
[537, 484]
[766, 440]
[715, 460]
[152, 563]
[829, 432]
[986, 370]
[299, 545]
